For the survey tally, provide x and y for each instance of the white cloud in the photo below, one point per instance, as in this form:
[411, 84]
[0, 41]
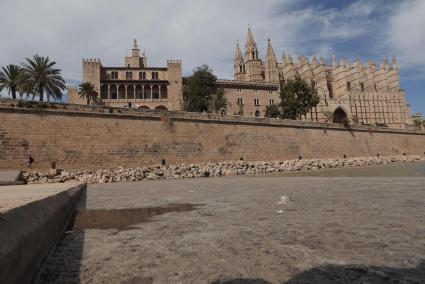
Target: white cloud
[196, 31]
[406, 35]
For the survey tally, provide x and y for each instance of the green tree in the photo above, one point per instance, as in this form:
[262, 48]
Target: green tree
[42, 77]
[329, 115]
[11, 78]
[218, 101]
[417, 123]
[198, 91]
[88, 91]
[297, 98]
[272, 111]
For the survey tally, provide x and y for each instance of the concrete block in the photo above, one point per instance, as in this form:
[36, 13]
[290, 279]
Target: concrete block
[32, 220]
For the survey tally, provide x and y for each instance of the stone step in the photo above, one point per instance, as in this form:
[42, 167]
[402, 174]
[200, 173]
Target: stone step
[11, 178]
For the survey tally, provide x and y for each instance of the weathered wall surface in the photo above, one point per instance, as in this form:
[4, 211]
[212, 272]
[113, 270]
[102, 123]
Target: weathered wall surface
[88, 140]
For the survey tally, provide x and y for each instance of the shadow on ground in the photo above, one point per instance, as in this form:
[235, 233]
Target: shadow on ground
[336, 274]
[64, 261]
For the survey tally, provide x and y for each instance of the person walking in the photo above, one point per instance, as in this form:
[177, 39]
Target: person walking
[30, 161]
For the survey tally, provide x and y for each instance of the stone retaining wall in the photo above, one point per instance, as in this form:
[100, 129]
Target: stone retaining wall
[93, 138]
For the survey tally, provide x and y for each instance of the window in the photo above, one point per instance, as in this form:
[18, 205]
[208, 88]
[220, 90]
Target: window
[114, 75]
[255, 91]
[155, 76]
[142, 75]
[129, 75]
[348, 86]
[271, 102]
[313, 84]
[239, 91]
[362, 86]
[256, 101]
[240, 101]
[270, 92]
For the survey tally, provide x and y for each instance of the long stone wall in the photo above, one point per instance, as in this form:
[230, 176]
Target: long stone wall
[90, 138]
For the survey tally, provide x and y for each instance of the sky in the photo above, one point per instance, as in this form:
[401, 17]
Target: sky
[205, 32]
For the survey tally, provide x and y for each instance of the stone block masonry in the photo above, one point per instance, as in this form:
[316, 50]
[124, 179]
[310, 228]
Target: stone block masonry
[86, 138]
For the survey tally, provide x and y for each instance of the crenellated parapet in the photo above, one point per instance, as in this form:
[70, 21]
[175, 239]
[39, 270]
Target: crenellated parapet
[91, 61]
[174, 61]
[72, 88]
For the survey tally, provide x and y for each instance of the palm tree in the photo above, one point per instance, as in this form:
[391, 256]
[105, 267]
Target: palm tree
[417, 123]
[11, 77]
[43, 78]
[88, 90]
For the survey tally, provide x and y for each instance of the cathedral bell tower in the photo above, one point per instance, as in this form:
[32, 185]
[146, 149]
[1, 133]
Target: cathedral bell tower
[253, 64]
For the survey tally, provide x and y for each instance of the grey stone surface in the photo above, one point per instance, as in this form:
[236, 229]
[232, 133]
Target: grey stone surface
[270, 229]
[32, 219]
[11, 178]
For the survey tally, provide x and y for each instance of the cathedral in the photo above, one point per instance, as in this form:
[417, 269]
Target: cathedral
[363, 94]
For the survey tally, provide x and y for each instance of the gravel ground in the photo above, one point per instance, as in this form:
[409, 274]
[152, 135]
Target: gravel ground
[248, 230]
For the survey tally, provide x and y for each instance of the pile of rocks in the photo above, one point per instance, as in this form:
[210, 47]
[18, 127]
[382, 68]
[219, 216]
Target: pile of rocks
[208, 170]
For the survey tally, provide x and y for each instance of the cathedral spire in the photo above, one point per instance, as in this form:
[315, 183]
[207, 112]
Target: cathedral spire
[270, 52]
[251, 47]
[272, 73]
[239, 64]
[395, 65]
[254, 66]
[238, 54]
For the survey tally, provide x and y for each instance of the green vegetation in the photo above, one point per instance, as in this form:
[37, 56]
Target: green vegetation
[329, 115]
[43, 78]
[11, 78]
[36, 77]
[297, 99]
[200, 92]
[88, 91]
[419, 123]
[218, 101]
[272, 111]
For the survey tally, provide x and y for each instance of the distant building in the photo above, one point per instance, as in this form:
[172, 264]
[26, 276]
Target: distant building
[136, 83]
[363, 94]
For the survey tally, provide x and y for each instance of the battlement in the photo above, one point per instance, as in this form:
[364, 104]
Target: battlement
[174, 61]
[71, 87]
[91, 60]
[305, 61]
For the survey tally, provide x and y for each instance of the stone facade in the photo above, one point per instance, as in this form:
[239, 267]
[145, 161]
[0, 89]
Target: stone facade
[92, 138]
[136, 83]
[363, 94]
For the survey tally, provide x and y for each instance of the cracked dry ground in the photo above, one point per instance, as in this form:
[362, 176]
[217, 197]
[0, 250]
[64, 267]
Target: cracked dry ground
[329, 230]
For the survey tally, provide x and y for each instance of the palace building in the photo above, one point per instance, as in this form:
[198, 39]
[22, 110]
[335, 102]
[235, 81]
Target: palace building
[364, 94]
[135, 84]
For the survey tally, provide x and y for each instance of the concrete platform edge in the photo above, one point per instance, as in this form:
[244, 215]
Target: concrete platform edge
[29, 232]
